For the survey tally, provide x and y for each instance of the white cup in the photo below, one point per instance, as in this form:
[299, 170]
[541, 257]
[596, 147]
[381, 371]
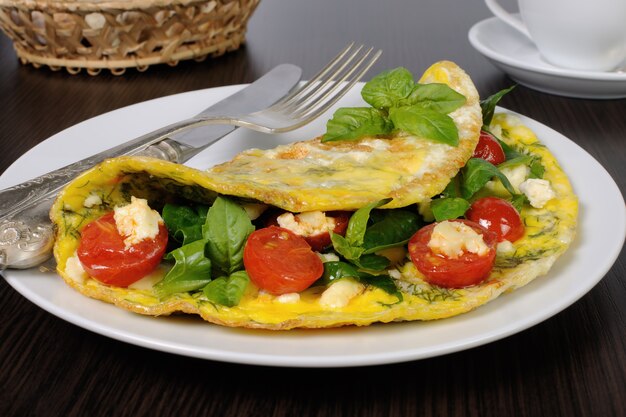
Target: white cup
[577, 34]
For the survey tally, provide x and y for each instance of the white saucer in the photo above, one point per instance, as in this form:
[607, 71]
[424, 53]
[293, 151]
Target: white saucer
[510, 51]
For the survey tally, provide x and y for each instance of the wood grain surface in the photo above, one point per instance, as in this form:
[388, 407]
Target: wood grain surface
[573, 364]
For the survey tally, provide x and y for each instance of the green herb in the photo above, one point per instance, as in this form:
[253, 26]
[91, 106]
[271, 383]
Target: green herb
[225, 231]
[390, 228]
[476, 173]
[184, 223]
[418, 109]
[427, 123]
[351, 123]
[388, 88]
[227, 291]
[449, 208]
[334, 271]
[488, 105]
[191, 271]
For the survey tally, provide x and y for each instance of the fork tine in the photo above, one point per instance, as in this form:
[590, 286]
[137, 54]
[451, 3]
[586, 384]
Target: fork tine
[329, 97]
[300, 91]
[297, 104]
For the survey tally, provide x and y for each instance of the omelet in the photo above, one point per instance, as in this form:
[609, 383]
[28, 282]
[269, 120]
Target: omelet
[311, 175]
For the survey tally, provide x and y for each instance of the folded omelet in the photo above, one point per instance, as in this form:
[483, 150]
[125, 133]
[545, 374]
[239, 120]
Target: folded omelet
[314, 175]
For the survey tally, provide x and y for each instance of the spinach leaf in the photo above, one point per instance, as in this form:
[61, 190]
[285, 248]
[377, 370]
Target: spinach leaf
[184, 223]
[351, 123]
[226, 229]
[425, 123]
[453, 189]
[372, 262]
[334, 271]
[509, 151]
[191, 271]
[521, 159]
[476, 173]
[488, 105]
[437, 97]
[392, 228]
[355, 233]
[345, 248]
[518, 201]
[449, 208]
[227, 291]
[388, 88]
[536, 169]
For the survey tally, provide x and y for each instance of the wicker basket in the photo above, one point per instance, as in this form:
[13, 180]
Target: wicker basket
[118, 34]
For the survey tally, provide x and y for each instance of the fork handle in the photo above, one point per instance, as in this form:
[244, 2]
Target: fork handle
[43, 188]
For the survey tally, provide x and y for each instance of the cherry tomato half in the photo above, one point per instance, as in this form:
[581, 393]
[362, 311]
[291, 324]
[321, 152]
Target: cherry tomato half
[468, 269]
[280, 262]
[321, 240]
[104, 256]
[498, 216]
[489, 149]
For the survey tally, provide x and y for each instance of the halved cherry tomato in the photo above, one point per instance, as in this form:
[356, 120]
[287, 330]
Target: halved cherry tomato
[489, 149]
[468, 269]
[280, 262]
[498, 216]
[321, 240]
[104, 256]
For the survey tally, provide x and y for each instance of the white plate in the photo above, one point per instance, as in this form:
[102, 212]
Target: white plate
[516, 55]
[600, 238]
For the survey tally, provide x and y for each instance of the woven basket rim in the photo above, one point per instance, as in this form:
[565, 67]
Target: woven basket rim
[95, 5]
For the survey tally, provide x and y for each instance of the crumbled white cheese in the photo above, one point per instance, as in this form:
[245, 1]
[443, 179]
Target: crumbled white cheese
[538, 191]
[289, 298]
[137, 221]
[308, 223]
[394, 273]
[92, 199]
[328, 257]
[74, 269]
[339, 293]
[452, 239]
[505, 247]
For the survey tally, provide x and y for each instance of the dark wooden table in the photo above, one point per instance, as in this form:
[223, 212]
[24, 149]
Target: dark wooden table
[572, 364]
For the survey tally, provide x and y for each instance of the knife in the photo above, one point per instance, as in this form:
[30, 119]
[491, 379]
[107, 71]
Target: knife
[26, 233]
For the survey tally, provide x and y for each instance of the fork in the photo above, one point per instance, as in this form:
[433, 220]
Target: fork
[300, 107]
[26, 234]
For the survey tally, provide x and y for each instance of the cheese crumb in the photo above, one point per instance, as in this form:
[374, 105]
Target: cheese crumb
[74, 269]
[452, 239]
[339, 293]
[289, 298]
[92, 200]
[538, 191]
[137, 221]
[308, 223]
[516, 175]
[505, 247]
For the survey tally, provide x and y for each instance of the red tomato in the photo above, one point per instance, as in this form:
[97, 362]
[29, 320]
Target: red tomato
[498, 216]
[321, 240]
[280, 262]
[468, 269]
[489, 149]
[104, 256]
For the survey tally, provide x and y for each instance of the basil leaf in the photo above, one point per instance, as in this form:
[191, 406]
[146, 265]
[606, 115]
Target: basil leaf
[227, 291]
[449, 208]
[184, 223]
[351, 123]
[453, 189]
[334, 271]
[476, 173]
[345, 248]
[518, 201]
[226, 229]
[191, 271]
[437, 97]
[393, 228]
[518, 160]
[355, 233]
[372, 262]
[509, 151]
[388, 88]
[425, 123]
[536, 169]
[488, 105]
